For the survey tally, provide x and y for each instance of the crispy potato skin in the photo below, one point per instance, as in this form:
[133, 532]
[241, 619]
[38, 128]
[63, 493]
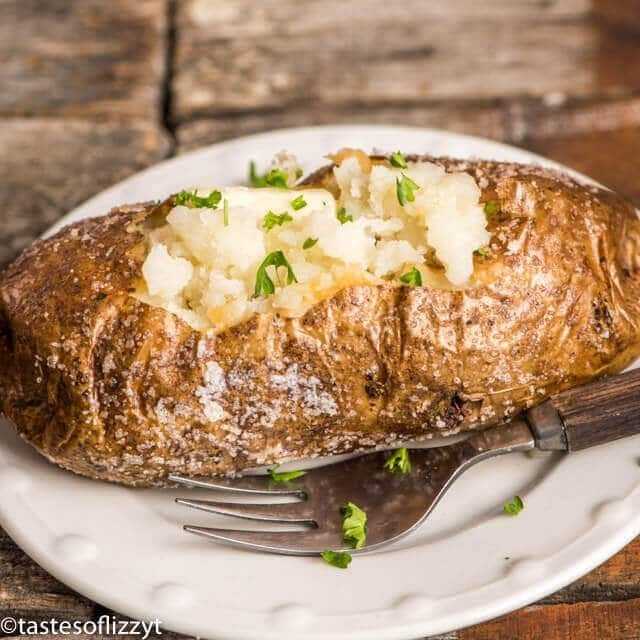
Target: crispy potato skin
[111, 388]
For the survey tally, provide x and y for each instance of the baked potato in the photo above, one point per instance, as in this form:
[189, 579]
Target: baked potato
[448, 296]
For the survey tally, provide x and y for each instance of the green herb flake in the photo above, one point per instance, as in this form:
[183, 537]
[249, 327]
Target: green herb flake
[413, 277]
[285, 476]
[273, 178]
[255, 179]
[264, 284]
[491, 207]
[298, 203]
[343, 216]
[277, 178]
[397, 160]
[482, 252]
[298, 173]
[192, 199]
[514, 507]
[405, 188]
[399, 462]
[275, 219]
[354, 525]
[339, 559]
[225, 212]
[309, 242]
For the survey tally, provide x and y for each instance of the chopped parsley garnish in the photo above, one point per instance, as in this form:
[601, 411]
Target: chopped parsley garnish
[298, 203]
[275, 219]
[482, 251]
[309, 242]
[225, 212]
[255, 179]
[405, 188]
[264, 284]
[343, 216]
[413, 277]
[491, 207]
[354, 525]
[284, 476]
[397, 160]
[298, 173]
[277, 178]
[399, 462]
[273, 178]
[192, 199]
[514, 507]
[340, 559]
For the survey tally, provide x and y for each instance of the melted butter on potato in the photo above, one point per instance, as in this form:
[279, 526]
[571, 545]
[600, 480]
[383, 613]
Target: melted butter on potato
[204, 263]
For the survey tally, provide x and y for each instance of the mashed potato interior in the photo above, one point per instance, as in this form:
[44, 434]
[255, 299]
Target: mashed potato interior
[283, 250]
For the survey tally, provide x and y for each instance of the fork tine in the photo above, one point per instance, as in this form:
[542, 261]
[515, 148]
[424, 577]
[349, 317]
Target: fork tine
[248, 485]
[295, 543]
[293, 512]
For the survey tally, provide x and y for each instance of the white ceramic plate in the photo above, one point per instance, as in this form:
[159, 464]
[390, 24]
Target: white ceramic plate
[125, 549]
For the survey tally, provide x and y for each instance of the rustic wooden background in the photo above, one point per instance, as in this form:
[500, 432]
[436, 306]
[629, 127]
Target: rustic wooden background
[94, 90]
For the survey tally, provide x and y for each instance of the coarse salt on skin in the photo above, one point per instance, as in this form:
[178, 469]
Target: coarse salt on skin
[212, 390]
[306, 390]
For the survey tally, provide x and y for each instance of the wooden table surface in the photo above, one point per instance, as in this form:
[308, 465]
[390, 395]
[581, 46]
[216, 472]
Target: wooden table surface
[94, 90]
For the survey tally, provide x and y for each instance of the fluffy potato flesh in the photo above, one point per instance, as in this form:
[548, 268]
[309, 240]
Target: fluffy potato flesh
[384, 222]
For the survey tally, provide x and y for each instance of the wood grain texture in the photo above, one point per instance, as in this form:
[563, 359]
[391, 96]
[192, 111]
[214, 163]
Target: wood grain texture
[492, 121]
[49, 166]
[616, 579]
[27, 589]
[624, 12]
[581, 621]
[87, 57]
[610, 156]
[558, 117]
[602, 411]
[376, 52]
[529, 123]
[599, 138]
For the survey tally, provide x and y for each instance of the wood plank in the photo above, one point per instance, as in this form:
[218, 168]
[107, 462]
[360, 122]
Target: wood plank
[616, 579]
[611, 157]
[82, 57]
[49, 166]
[600, 139]
[369, 52]
[557, 116]
[518, 121]
[583, 621]
[487, 120]
[26, 589]
[622, 12]
[46, 606]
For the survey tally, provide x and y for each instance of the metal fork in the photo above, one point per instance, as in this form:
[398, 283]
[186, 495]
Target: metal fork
[396, 504]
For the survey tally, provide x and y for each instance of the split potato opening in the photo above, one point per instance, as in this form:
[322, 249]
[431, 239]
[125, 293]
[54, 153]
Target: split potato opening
[222, 255]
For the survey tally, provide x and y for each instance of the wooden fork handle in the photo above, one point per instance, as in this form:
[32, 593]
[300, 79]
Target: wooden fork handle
[589, 415]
